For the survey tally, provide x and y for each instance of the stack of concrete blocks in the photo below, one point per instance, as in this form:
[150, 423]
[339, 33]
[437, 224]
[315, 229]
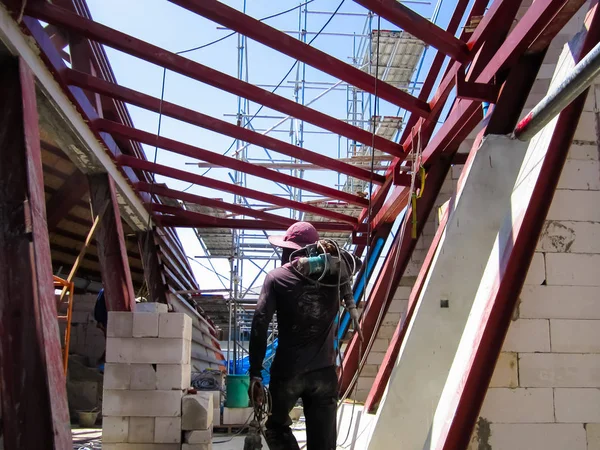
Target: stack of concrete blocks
[147, 372]
[197, 421]
[237, 416]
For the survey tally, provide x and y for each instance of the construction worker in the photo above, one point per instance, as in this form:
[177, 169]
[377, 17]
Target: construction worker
[304, 364]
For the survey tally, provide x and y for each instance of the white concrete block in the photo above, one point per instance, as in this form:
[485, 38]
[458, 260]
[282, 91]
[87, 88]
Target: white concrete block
[375, 357]
[217, 417]
[577, 405]
[391, 319]
[532, 436]
[506, 373]
[386, 332]
[402, 293]
[150, 307]
[198, 437]
[580, 175]
[197, 411]
[120, 324]
[145, 324]
[167, 430]
[528, 335]
[148, 350]
[369, 370]
[141, 429]
[560, 302]
[583, 151]
[175, 325]
[236, 416]
[586, 129]
[365, 383]
[380, 345]
[575, 205]
[559, 370]
[593, 435]
[142, 403]
[518, 405]
[196, 446]
[143, 377]
[570, 237]
[148, 446]
[575, 336]
[117, 376]
[115, 429]
[566, 269]
[537, 270]
[173, 376]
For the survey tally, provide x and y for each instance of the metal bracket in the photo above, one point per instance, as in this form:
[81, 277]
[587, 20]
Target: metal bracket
[480, 92]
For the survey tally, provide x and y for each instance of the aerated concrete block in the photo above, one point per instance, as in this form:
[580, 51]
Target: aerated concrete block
[143, 377]
[167, 430]
[197, 411]
[141, 430]
[128, 446]
[115, 429]
[142, 403]
[117, 376]
[198, 437]
[120, 324]
[196, 446]
[173, 376]
[148, 350]
[175, 325]
[236, 416]
[149, 307]
[145, 324]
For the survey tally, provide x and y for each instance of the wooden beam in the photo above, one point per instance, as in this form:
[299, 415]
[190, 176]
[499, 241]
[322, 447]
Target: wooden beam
[112, 252]
[153, 269]
[32, 380]
[65, 198]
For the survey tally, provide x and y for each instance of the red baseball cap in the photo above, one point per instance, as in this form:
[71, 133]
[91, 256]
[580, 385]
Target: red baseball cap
[297, 236]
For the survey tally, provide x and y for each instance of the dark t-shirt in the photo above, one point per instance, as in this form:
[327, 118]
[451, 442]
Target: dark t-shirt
[305, 314]
[100, 313]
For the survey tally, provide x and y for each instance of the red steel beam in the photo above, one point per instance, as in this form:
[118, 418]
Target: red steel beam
[110, 242]
[391, 273]
[418, 26]
[540, 15]
[261, 32]
[212, 203]
[94, 84]
[182, 218]
[200, 180]
[156, 55]
[515, 259]
[223, 161]
[153, 269]
[33, 396]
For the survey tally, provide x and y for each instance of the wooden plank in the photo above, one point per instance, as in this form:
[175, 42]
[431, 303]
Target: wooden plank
[32, 380]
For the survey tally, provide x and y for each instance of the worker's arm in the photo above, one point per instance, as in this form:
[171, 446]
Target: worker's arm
[263, 315]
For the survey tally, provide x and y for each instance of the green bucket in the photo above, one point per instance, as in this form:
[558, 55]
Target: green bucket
[237, 391]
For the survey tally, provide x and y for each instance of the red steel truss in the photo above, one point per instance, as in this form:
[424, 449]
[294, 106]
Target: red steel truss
[478, 63]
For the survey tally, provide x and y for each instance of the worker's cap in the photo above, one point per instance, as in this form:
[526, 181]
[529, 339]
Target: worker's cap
[297, 236]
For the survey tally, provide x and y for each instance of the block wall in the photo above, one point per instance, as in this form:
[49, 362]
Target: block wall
[545, 392]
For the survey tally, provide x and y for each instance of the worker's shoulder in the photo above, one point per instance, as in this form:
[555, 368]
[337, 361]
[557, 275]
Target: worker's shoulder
[281, 274]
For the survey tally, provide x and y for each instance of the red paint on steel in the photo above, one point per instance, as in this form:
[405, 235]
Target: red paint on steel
[288, 45]
[187, 67]
[32, 380]
[223, 161]
[188, 219]
[213, 203]
[513, 266]
[418, 26]
[110, 241]
[200, 180]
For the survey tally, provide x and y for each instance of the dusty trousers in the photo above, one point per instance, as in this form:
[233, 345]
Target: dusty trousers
[318, 390]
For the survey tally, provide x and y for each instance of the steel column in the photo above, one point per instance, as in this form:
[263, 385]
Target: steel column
[110, 241]
[288, 45]
[32, 380]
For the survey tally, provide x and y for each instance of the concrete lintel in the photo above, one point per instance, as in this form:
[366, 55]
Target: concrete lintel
[75, 137]
[405, 416]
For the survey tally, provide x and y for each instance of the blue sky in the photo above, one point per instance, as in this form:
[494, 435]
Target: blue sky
[164, 24]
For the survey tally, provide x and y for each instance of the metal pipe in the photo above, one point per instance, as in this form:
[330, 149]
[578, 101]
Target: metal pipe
[580, 78]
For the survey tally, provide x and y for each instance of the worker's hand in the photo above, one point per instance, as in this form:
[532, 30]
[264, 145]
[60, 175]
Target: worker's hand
[256, 392]
[354, 315]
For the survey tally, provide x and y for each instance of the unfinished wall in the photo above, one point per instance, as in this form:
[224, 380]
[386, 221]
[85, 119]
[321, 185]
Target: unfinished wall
[545, 393]
[397, 310]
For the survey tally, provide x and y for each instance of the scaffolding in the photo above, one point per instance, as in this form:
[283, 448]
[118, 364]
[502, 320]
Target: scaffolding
[397, 60]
